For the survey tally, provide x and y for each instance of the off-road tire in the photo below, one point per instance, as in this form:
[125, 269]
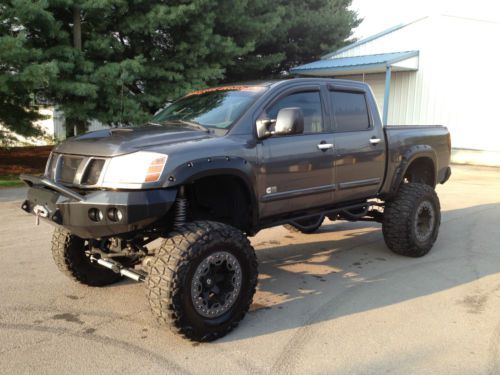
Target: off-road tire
[68, 252]
[400, 220]
[306, 229]
[168, 284]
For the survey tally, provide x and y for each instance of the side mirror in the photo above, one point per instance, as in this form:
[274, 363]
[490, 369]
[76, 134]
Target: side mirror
[289, 121]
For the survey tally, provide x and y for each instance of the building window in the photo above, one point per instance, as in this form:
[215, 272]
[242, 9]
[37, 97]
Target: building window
[350, 111]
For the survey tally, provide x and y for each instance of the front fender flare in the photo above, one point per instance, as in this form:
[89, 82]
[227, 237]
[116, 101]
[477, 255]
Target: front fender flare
[216, 166]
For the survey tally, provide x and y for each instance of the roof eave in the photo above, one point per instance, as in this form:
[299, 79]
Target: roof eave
[370, 38]
[369, 68]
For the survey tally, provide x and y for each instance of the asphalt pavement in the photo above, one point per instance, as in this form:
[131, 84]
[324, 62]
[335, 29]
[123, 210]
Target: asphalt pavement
[12, 194]
[334, 302]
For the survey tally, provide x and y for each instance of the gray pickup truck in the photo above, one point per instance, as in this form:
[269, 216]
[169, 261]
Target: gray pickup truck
[219, 165]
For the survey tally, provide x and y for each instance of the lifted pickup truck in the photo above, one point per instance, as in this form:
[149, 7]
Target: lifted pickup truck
[217, 166]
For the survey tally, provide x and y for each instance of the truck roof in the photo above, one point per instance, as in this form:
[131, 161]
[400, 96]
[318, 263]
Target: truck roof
[276, 82]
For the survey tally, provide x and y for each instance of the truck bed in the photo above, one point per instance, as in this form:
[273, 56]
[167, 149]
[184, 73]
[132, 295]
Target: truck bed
[433, 139]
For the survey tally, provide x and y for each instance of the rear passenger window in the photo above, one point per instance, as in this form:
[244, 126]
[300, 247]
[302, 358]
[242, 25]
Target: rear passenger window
[350, 110]
[310, 104]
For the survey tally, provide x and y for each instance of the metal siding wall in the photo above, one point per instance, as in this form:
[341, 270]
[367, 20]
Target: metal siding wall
[467, 72]
[406, 39]
[456, 84]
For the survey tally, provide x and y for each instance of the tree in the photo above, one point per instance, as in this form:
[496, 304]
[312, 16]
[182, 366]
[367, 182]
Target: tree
[134, 56]
[255, 24]
[118, 61]
[22, 72]
[307, 29]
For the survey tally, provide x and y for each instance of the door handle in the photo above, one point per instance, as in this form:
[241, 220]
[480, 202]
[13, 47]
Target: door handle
[374, 140]
[325, 146]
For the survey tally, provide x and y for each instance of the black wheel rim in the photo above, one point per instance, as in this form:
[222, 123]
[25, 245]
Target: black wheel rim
[216, 284]
[424, 221]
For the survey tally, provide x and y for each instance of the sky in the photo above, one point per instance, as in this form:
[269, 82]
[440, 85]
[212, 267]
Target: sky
[381, 14]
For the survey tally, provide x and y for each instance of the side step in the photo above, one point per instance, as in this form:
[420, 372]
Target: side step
[118, 268]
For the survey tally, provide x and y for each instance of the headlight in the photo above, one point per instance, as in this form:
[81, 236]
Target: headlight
[137, 168]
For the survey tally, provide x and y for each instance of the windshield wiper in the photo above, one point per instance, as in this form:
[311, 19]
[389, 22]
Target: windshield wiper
[190, 124]
[194, 125]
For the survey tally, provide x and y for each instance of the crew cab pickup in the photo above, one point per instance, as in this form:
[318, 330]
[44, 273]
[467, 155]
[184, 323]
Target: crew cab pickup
[219, 165]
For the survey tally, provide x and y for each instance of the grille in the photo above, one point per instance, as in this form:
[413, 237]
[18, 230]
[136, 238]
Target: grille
[64, 168]
[68, 167]
[50, 171]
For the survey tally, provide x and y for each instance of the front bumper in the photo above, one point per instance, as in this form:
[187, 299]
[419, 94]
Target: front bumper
[62, 206]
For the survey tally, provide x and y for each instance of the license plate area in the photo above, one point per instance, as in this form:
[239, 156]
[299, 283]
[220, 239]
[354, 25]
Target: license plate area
[41, 202]
[40, 211]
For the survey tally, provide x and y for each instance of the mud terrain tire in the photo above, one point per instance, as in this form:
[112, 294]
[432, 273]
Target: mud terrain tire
[411, 220]
[173, 281]
[68, 252]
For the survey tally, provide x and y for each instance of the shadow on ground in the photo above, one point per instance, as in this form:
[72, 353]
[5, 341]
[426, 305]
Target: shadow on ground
[326, 274]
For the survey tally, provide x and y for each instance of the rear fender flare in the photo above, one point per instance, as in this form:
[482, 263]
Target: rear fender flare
[410, 155]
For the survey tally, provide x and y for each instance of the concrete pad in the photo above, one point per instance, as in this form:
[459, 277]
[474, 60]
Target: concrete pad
[337, 301]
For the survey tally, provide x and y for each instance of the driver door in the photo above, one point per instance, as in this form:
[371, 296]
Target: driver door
[297, 171]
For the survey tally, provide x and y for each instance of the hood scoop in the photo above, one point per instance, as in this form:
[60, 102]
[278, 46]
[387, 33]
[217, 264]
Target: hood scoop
[120, 130]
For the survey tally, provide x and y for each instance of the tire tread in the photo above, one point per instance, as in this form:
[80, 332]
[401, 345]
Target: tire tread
[170, 265]
[64, 247]
[397, 222]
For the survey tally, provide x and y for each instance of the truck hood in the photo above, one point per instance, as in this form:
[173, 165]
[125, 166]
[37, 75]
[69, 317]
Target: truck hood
[118, 141]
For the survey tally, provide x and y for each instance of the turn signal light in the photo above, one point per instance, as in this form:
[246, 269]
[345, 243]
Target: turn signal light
[155, 169]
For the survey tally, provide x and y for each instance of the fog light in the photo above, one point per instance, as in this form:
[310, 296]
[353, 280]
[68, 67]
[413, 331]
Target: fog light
[114, 214]
[95, 214]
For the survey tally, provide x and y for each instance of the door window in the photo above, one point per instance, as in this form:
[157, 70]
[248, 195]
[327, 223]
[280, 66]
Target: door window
[350, 111]
[310, 104]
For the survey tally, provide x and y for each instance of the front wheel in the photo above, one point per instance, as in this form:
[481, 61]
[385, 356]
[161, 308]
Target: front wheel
[69, 255]
[202, 280]
[411, 220]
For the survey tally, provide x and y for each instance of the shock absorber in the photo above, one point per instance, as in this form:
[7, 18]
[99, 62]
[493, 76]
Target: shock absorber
[181, 207]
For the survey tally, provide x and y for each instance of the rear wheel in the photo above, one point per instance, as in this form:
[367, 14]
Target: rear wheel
[202, 280]
[411, 220]
[307, 226]
[69, 255]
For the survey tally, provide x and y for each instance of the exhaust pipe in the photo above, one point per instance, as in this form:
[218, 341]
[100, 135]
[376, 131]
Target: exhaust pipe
[118, 268]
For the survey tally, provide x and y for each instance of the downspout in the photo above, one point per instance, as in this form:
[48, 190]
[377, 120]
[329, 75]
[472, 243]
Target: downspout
[387, 91]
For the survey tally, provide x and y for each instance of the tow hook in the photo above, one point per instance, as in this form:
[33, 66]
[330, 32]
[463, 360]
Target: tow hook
[118, 268]
[39, 210]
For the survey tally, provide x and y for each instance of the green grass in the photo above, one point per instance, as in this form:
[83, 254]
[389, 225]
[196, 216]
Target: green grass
[10, 181]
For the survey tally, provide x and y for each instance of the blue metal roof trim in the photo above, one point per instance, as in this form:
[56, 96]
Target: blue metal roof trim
[370, 38]
[350, 63]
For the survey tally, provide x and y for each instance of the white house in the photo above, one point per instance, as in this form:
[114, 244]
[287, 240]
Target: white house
[53, 128]
[47, 126]
[434, 70]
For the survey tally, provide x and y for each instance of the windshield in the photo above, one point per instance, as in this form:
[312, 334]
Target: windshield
[218, 107]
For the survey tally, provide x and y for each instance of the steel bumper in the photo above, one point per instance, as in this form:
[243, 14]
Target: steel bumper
[95, 214]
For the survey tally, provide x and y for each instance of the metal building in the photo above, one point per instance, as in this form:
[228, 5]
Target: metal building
[435, 70]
